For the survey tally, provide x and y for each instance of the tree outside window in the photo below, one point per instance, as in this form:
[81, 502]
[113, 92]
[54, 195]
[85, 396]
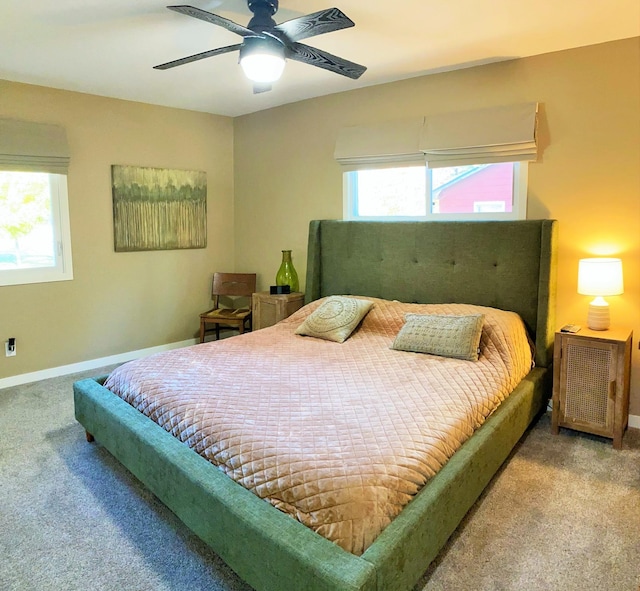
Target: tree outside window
[26, 222]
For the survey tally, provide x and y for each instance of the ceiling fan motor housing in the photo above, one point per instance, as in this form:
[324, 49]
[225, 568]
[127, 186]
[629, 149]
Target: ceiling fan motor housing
[264, 45]
[255, 6]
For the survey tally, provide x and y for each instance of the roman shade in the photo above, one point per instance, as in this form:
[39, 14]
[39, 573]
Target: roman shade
[33, 147]
[499, 134]
[390, 143]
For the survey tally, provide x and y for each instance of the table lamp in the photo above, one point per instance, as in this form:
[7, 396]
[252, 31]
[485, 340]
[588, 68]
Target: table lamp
[599, 277]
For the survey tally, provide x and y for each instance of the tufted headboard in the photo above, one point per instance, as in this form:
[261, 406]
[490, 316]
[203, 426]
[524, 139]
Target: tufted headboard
[507, 265]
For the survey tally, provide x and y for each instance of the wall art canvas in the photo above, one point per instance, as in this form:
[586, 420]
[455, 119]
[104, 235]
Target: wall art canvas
[158, 208]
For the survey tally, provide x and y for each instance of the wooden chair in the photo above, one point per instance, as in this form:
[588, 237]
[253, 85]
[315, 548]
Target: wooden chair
[231, 285]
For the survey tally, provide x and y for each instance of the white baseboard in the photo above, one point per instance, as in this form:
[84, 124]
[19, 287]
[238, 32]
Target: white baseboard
[63, 370]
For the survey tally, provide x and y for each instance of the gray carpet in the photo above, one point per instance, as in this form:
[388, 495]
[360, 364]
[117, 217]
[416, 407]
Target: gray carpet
[563, 514]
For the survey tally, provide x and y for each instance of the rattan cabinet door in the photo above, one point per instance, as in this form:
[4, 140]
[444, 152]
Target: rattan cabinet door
[588, 385]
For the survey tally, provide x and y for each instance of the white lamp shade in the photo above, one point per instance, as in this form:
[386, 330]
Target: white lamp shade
[262, 67]
[600, 277]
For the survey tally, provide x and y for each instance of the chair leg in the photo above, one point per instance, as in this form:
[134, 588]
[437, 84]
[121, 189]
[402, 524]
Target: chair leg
[241, 327]
[201, 331]
[217, 331]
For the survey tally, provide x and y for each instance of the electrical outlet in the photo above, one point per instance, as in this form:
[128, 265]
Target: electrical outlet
[10, 348]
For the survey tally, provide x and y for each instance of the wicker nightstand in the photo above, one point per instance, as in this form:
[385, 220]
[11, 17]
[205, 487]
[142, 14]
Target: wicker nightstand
[591, 371]
[269, 309]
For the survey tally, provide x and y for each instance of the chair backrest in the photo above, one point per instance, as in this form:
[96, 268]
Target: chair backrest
[233, 284]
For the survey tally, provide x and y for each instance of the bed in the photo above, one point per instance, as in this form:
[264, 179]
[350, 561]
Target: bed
[504, 265]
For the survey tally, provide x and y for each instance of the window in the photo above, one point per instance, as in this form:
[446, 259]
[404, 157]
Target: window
[469, 165]
[35, 244]
[470, 192]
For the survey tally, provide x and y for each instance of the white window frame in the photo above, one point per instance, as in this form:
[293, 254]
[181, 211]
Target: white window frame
[518, 210]
[63, 269]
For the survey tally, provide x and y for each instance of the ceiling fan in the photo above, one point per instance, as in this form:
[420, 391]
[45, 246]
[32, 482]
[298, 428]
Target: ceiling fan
[266, 45]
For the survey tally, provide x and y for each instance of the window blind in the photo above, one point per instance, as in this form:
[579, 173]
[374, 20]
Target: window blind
[387, 144]
[33, 147]
[499, 134]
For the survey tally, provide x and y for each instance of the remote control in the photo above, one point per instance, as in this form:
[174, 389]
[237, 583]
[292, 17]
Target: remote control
[570, 328]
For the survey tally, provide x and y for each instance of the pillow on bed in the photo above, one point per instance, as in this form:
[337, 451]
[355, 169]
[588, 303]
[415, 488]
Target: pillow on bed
[447, 336]
[335, 319]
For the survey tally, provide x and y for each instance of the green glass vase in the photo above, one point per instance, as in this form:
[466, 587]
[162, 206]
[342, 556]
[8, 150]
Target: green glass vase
[287, 273]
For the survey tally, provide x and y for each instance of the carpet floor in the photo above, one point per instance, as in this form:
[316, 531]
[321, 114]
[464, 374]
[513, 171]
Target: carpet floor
[562, 514]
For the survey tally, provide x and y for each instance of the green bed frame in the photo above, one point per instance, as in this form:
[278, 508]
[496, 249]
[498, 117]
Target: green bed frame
[510, 265]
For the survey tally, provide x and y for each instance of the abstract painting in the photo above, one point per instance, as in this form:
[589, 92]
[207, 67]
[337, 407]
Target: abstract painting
[158, 208]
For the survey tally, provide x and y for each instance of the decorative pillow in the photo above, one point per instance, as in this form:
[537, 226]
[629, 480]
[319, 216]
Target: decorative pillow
[447, 336]
[335, 319]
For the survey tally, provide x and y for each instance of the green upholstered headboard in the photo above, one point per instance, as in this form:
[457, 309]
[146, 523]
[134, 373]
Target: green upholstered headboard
[507, 265]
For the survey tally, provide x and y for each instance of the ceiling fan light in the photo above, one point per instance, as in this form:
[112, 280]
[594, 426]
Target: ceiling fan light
[262, 67]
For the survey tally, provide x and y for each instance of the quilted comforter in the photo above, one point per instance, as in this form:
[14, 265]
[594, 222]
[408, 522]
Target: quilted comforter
[339, 436]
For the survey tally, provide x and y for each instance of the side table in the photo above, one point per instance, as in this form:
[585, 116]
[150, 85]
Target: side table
[591, 372]
[268, 309]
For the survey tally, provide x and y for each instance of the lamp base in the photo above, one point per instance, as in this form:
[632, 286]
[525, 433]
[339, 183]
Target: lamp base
[599, 317]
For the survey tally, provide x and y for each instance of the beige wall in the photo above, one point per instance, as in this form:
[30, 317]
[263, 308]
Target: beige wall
[588, 176]
[118, 302]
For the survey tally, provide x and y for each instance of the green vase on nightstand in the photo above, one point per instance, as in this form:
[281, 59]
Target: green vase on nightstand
[287, 273]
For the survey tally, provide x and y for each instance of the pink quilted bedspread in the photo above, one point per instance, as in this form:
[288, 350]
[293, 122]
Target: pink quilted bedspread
[340, 436]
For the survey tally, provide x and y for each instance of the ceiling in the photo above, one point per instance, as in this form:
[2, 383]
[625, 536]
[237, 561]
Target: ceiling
[109, 47]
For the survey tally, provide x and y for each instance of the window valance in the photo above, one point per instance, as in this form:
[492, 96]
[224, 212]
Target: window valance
[33, 147]
[499, 134]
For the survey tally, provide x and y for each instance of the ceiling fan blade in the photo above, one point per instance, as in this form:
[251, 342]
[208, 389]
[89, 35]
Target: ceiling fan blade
[322, 59]
[214, 19]
[198, 56]
[317, 23]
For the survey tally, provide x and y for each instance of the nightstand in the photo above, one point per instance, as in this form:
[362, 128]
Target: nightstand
[591, 371]
[267, 309]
